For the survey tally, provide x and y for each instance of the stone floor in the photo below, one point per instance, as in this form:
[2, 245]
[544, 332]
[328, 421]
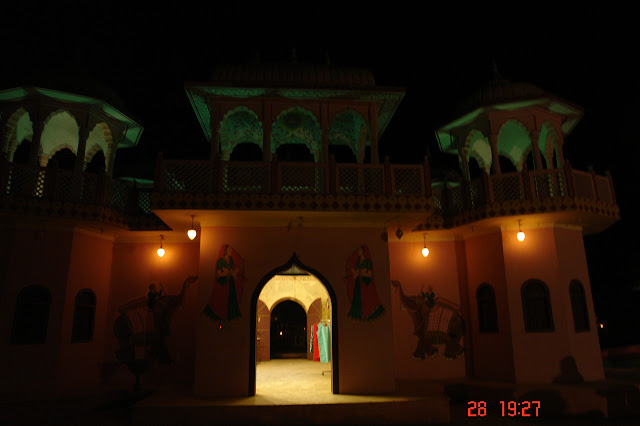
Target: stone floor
[304, 385]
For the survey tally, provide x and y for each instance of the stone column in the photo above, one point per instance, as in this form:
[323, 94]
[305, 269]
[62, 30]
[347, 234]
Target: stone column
[38, 127]
[215, 123]
[535, 136]
[373, 126]
[494, 152]
[267, 124]
[82, 144]
[324, 127]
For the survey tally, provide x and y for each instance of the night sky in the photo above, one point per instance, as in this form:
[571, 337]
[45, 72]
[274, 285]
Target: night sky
[146, 55]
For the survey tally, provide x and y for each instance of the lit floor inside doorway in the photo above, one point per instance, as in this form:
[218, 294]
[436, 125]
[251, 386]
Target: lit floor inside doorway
[294, 381]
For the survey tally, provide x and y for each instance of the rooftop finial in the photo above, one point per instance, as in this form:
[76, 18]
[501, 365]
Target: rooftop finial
[497, 77]
[327, 59]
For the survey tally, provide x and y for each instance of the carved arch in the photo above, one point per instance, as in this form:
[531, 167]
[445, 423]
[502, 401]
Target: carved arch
[55, 123]
[513, 141]
[11, 138]
[479, 147]
[239, 125]
[287, 128]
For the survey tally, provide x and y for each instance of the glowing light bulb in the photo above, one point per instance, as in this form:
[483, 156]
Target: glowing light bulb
[425, 252]
[160, 252]
[191, 233]
[520, 236]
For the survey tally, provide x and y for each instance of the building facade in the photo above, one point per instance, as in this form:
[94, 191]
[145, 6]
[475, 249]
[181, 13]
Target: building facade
[294, 183]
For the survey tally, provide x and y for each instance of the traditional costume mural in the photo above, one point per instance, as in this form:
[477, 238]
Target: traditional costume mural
[227, 288]
[365, 304]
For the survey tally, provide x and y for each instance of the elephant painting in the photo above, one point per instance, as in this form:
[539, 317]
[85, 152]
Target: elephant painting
[143, 325]
[435, 321]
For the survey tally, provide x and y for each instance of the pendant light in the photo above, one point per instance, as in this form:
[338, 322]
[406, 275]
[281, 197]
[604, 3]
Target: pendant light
[425, 250]
[399, 232]
[161, 250]
[520, 234]
[191, 233]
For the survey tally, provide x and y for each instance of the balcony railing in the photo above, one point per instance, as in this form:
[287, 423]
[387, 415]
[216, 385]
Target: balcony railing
[58, 185]
[521, 186]
[276, 177]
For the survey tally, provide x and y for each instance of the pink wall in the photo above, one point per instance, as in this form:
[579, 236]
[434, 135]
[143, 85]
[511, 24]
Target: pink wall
[417, 273]
[554, 256]
[492, 353]
[38, 256]
[585, 346]
[89, 267]
[135, 266]
[222, 354]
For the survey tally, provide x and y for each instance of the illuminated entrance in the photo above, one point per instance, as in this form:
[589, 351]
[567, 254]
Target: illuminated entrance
[289, 306]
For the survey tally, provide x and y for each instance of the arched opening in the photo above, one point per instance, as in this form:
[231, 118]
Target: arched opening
[97, 163]
[21, 156]
[294, 152]
[64, 159]
[297, 284]
[342, 154]
[246, 151]
[288, 331]
[506, 165]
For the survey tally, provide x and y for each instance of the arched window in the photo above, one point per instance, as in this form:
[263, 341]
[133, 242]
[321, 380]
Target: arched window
[83, 316]
[487, 310]
[579, 306]
[536, 305]
[31, 316]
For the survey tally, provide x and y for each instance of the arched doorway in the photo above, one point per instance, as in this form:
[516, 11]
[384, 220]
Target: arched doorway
[266, 306]
[288, 328]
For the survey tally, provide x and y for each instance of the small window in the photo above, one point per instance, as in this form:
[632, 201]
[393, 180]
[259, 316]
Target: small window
[84, 316]
[487, 310]
[536, 305]
[579, 306]
[31, 316]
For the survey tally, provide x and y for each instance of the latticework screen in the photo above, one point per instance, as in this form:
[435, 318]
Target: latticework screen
[507, 187]
[408, 180]
[455, 200]
[144, 201]
[89, 188]
[584, 185]
[119, 192]
[437, 200]
[604, 190]
[245, 177]
[360, 180]
[476, 191]
[188, 176]
[304, 178]
[549, 183]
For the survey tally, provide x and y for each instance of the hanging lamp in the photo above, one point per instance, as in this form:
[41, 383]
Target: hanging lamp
[191, 233]
[161, 250]
[520, 234]
[425, 250]
[399, 232]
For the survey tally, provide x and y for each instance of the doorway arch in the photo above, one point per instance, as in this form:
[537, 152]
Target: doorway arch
[335, 384]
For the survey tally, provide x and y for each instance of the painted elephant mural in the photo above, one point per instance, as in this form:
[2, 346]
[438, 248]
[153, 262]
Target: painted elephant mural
[143, 325]
[435, 321]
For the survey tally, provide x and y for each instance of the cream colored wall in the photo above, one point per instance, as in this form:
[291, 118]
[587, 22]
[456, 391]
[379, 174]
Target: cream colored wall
[364, 350]
[304, 289]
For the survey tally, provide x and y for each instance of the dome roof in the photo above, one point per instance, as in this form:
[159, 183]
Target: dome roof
[500, 91]
[293, 75]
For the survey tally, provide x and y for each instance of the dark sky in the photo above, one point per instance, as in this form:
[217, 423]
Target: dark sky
[439, 55]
